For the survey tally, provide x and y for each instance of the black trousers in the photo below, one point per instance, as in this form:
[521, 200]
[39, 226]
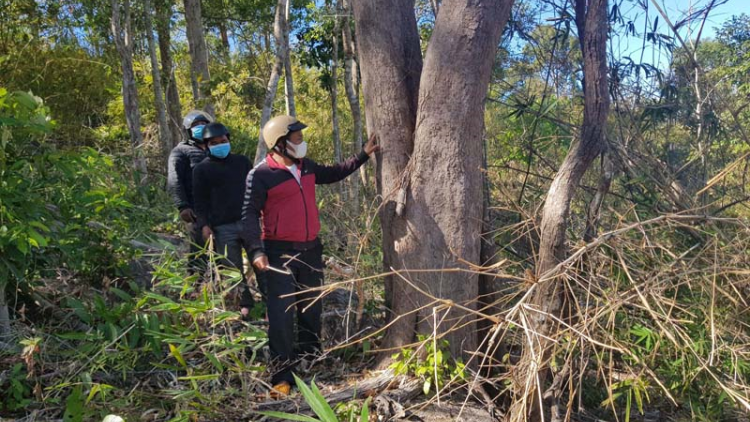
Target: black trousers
[306, 272]
[197, 259]
[228, 243]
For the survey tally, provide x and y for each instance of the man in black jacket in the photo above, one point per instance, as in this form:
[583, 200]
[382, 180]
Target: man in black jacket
[219, 188]
[186, 155]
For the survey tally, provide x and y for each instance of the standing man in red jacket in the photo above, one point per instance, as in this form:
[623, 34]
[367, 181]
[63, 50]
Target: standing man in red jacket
[280, 217]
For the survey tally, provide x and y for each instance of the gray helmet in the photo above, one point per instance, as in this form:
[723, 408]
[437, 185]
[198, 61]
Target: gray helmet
[196, 116]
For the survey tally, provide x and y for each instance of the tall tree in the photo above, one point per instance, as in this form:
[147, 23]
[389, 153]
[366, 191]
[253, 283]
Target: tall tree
[352, 94]
[291, 108]
[445, 178]
[279, 29]
[168, 80]
[122, 33]
[435, 214]
[549, 296]
[391, 64]
[198, 55]
[335, 91]
[165, 137]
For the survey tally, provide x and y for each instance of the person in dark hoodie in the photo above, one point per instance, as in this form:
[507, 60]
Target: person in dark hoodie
[218, 189]
[280, 216]
[183, 158]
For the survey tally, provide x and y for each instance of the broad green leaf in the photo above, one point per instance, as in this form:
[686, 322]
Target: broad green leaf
[177, 355]
[289, 416]
[426, 386]
[316, 401]
[365, 416]
[74, 406]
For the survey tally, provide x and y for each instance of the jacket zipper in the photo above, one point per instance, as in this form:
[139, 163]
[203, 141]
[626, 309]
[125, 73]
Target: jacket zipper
[304, 204]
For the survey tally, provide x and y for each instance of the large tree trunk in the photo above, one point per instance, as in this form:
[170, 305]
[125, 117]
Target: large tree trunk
[165, 138]
[279, 27]
[352, 95]
[391, 63]
[123, 37]
[442, 213]
[163, 20]
[549, 297]
[198, 56]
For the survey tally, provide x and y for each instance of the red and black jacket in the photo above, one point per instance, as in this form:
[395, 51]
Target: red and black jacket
[278, 208]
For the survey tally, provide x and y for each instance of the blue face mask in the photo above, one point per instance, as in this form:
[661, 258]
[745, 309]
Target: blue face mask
[197, 132]
[220, 151]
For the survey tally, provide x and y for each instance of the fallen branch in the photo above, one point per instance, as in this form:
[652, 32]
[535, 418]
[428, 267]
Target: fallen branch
[370, 387]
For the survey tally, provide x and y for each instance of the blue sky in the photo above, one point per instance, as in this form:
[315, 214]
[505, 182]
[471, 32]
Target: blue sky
[676, 10]
[716, 18]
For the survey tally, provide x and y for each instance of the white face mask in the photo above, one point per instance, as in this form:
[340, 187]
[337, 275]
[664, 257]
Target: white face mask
[299, 150]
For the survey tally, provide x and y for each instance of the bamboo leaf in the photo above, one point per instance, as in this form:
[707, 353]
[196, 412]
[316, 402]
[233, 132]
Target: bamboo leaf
[289, 416]
[177, 355]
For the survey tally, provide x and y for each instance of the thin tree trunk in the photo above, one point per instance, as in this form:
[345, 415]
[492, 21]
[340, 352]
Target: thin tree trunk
[199, 56]
[123, 37]
[550, 297]
[163, 19]
[291, 109]
[391, 63]
[224, 38]
[446, 183]
[487, 256]
[435, 8]
[4, 313]
[595, 206]
[279, 26]
[165, 136]
[352, 95]
[335, 94]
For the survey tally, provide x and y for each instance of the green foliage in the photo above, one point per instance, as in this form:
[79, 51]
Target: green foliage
[176, 329]
[15, 390]
[58, 209]
[433, 365]
[320, 406]
[75, 85]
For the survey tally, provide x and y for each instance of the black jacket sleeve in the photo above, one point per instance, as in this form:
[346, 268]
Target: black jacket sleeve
[332, 174]
[178, 179]
[256, 193]
[201, 195]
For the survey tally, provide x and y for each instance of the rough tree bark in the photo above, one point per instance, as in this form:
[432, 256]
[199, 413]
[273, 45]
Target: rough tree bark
[391, 64]
[163, 21]
[594, 209]
[279, 27]
[549, 296]
[123, 37]
[430, 218]
[165, 137]
[444, 223]
[198, 56]
[352, 95]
